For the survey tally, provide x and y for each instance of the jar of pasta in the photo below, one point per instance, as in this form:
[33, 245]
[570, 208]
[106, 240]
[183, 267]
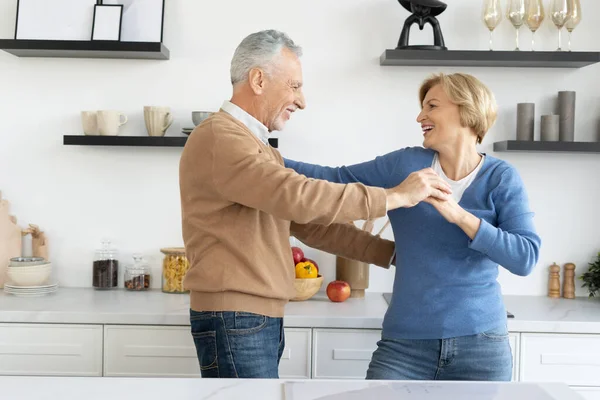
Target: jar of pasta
[175, 266]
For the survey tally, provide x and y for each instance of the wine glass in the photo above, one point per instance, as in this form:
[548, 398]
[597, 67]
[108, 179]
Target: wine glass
[560, 15]
[574, 18]
[492, 15]
[534, 18]
[515, 12]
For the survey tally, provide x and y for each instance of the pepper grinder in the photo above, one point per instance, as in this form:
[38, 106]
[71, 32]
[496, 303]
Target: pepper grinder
[569, 281]
[554, 281]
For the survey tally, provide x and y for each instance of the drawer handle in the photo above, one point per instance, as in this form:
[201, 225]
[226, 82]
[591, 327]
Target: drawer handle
[287, 354]
[350, 354]
[41, 350]
[160, 351]
[570, 359]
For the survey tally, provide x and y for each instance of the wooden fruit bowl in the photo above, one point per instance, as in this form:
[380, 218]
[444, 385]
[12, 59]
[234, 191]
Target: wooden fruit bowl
[307, 288]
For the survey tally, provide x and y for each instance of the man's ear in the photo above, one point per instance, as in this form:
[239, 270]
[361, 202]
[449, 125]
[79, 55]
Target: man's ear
[256, 78]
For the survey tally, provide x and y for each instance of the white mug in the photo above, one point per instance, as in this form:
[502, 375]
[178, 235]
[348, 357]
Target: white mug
[89, 122]
[109, 122]
[157, 119]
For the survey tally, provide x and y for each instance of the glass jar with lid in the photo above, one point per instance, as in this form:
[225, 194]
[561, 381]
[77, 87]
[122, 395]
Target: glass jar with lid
[106, 267]
[137, 275]
[175, 266]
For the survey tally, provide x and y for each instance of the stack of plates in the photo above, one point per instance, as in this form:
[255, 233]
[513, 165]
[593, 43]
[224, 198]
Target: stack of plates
[187, 131]
[30, 291]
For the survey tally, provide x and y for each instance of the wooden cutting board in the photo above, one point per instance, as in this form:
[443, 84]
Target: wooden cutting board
[10, 238]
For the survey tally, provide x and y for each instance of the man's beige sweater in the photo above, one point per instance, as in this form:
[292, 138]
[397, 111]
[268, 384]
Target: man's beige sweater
[240, 205]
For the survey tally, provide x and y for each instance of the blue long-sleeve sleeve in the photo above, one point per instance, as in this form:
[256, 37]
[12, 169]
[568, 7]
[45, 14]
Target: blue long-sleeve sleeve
[514, 243]
[377, 172]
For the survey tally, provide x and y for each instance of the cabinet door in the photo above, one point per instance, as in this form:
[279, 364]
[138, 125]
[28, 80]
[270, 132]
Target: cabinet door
[514, 339]
[161, 351]
[295, 361]
[51, 349]
[343, 353]
[570, 358]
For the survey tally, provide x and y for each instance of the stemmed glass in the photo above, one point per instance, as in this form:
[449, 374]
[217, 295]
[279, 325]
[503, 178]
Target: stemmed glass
[574, 18]
[560, 15]
[492, 15]
[534, 18]
[515, 12]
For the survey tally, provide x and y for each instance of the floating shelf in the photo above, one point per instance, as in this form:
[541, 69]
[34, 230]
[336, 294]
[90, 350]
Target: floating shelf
[486, 58]
[85, 49]
[142, 141]
[547, 147]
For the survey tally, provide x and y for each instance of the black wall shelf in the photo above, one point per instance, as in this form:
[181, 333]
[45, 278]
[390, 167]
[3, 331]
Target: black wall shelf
[85, 49]
[547, 147]
[486, 58]
[142, 141]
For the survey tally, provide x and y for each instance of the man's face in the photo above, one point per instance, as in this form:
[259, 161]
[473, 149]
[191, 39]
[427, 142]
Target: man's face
[283, 91]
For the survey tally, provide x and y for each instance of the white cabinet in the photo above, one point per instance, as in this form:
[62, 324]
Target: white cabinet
[515, 341]
[343, 353]
[570, 358]
[588, 393]
[159, 351]
[42, 349]
[162, 351]
[295, 361]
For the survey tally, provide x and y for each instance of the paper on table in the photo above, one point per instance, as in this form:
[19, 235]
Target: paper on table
[413, 391]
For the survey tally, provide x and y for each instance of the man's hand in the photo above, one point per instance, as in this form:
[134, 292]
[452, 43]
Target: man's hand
[417, 187]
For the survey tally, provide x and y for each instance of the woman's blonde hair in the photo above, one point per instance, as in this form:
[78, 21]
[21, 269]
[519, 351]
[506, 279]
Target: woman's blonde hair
[476, 102]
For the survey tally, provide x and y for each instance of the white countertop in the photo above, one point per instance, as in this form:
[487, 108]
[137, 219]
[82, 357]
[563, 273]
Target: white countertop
[25, 388]
[121, 307]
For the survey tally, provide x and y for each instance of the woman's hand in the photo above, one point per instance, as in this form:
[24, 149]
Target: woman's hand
[455, 214]
[418, 186]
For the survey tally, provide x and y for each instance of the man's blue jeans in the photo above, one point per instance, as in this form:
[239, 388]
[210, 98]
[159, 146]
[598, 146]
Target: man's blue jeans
[237, 344]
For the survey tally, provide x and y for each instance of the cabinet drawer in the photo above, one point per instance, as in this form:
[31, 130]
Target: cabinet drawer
[573, 359]
[45, 349]
[295, 361]
[160, 351]
[343, 353]
[514, 339]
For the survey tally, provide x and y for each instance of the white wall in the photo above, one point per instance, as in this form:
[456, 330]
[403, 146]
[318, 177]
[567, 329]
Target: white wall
[356, 110]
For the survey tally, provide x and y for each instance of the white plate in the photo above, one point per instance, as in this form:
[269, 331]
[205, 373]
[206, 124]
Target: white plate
[48, 286]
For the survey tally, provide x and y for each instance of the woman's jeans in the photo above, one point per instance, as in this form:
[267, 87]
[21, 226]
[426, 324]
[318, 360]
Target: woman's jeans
[482, 357]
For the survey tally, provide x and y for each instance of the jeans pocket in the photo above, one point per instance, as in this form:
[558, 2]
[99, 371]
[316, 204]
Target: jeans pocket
[495, 334]
[247, 323]
[206, 348]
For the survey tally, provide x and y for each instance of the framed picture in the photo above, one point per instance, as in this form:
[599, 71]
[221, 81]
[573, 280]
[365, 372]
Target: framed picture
[54, 19]
[107, 22]
[142, 20]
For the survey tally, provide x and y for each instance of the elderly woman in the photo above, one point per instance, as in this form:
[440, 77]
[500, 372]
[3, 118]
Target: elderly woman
[447, 320]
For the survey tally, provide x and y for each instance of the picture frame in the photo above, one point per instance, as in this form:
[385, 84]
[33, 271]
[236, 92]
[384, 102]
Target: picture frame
[54, 19]
[143, 20]
[107, 22]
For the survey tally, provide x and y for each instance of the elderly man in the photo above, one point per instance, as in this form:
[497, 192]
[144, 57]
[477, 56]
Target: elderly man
[240, 205]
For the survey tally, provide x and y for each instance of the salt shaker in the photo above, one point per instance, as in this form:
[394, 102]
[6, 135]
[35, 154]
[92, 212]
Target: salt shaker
[569, 281]
[554, 281]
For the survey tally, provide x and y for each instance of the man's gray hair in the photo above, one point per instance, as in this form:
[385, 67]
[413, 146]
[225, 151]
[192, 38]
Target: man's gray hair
[259, 50]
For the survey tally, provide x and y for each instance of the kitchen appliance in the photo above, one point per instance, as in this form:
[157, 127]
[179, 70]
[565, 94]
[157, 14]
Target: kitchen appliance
[388, 299]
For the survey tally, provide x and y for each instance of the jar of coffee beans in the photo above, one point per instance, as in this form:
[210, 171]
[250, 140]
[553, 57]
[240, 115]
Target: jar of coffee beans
[137, 275]
[106, 267]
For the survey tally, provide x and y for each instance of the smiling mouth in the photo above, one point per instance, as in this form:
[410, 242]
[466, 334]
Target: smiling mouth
[426, 129]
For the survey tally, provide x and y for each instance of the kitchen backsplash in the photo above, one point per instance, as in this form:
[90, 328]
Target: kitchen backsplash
[356, 110]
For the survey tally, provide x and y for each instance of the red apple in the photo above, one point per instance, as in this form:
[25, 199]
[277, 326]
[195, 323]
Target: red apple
[312, 261]
[298, 254]
[338, 291]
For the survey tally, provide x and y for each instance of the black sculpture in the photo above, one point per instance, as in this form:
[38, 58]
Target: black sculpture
[423, 12]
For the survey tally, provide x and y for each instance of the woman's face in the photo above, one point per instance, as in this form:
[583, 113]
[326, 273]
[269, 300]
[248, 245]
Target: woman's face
[439, 119]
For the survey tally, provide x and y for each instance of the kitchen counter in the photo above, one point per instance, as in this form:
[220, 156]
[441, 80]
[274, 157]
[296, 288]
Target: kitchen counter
[25, 388]
[121, 307]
